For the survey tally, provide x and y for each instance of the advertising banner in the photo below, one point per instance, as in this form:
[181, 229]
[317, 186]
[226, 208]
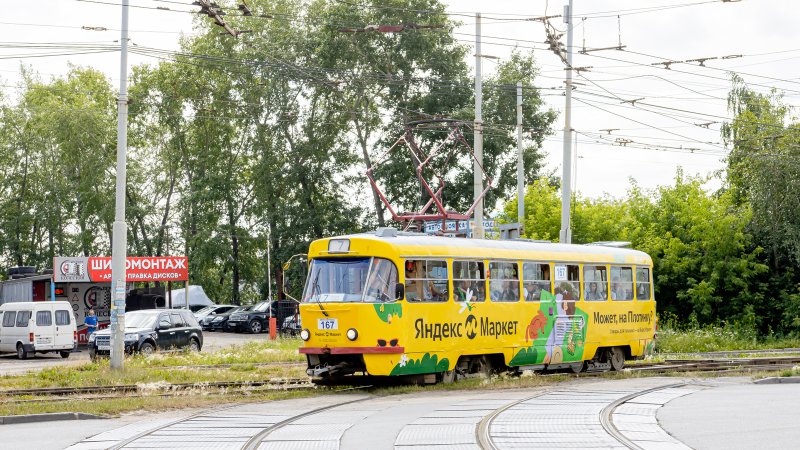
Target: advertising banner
[137, 268]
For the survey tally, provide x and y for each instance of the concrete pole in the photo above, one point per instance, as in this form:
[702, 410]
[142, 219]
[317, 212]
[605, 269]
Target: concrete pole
[477, 231]
[269, 264]
[566, 180]
[120, 230]
[520, 163]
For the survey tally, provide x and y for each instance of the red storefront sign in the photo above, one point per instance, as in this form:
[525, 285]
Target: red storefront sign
[137, 268]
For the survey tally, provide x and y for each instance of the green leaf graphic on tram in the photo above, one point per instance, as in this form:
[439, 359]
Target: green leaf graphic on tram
[426, 364]
[384, 310]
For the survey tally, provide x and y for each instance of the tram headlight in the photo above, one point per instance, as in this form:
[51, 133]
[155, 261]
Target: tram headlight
[352, 334]
[305, 335]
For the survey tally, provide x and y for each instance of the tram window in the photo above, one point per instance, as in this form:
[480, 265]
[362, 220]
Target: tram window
[621, 283]
[469, 280]
[381, 282]
[536, 279]
[595, 283]
[642, 283]
[426, 281]
[503, 281]
[568, 281]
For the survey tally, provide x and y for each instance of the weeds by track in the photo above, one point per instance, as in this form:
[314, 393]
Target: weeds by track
[711, 365]
[150, 389]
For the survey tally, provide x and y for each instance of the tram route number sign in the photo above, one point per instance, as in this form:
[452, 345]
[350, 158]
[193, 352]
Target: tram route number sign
[561, 273]
[327, 324]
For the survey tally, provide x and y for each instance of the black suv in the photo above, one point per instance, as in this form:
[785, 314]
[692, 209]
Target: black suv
[153, 329]
[256, 319]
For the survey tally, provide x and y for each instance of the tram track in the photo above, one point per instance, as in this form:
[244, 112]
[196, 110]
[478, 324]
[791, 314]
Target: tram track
[255, 442]
[709, 366]
[607, 422]
[143, 390]
[482, 436]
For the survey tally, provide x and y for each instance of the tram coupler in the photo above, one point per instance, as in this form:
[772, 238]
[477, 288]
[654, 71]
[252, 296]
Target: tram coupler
[343, 368]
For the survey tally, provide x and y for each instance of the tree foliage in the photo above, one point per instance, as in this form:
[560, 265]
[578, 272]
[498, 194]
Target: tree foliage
[705, 264]
[240, 149]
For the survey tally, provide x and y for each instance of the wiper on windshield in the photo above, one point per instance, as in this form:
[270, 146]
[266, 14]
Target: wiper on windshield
[316, 288]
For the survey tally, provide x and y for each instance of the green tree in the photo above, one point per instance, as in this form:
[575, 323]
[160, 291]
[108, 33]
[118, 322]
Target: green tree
[763, 169]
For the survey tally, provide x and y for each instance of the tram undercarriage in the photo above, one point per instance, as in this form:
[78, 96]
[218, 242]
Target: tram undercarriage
[350, 369]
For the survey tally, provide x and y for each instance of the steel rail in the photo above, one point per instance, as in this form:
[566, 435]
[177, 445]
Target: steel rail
[608, 423]
[482, 435]
[255, 441]
[168, 387]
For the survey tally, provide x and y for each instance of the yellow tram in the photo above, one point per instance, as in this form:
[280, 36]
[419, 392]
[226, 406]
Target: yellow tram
[390, 303]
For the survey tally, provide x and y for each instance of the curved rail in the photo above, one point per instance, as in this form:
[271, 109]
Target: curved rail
[133, 438]
[255, 441]
[482, 435]
[608, 423]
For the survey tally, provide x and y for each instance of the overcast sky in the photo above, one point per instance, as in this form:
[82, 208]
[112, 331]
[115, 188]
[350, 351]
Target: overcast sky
[658, 139]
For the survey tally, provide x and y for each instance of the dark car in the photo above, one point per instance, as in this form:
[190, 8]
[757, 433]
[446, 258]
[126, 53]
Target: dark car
[195, 308]
[256, 319]
[149, 330]
[207, 314]
[220, 321]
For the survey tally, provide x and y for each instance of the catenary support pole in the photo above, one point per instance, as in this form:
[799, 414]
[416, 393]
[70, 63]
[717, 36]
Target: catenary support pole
[520, 163]
[120, 230]
[565, 236]
[477, 230]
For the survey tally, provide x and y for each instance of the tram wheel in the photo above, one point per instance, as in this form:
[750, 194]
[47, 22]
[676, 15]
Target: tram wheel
[448, 377]
[616, 356]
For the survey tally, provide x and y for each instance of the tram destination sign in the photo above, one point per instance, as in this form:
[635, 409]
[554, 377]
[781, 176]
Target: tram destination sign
[455, 226]
[137, 268]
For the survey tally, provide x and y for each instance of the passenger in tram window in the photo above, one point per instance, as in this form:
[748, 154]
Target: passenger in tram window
[496, 288]
[617, 293]
[566, 290]
[532, 291]
[431, 292]
[509, 293]
[414, 289]
[463, 288]
[593, 294]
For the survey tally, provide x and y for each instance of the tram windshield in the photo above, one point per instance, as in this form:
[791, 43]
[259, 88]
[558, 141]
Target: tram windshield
[338, 280]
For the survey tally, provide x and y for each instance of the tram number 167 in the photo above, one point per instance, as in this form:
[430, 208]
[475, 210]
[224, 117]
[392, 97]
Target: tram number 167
[327, 324]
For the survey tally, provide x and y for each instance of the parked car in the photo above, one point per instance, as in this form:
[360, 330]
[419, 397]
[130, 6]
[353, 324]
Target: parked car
[256, 319]
[220, 321]
[149, 330]
[205, 315]
[195, 308]
[38, 327]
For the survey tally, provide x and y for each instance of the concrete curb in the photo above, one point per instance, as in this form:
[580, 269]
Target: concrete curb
[31, 418]
[778, 380]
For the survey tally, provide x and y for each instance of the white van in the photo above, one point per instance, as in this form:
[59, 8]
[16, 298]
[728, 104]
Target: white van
[38, 327]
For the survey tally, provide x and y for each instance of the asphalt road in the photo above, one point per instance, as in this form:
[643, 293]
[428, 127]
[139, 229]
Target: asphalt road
[10, 365]
[737, 416]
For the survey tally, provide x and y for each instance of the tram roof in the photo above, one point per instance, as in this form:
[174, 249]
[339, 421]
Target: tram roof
[417, 244]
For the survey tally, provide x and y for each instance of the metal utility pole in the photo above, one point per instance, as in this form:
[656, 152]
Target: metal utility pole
[477, 171]
[566, 180]
[520, 163]
[119, 243]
